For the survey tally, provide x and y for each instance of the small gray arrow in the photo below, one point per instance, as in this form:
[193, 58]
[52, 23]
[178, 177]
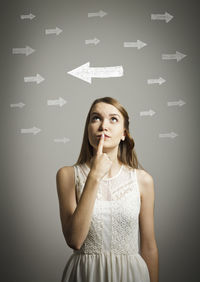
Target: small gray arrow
[59, 102]
[19, 105]
[179, 103]
[38, 78]
[156, 81]
[30, 17]
[26, 51]
[92, 41]
[33, 130]
[178, 56]
[166, 17]
[168, 135]
[100, 14]
[139, 44]
[62, 140]
[56, 31]
[147, 113]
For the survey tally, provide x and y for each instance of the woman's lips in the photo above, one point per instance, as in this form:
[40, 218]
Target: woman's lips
[105, 136]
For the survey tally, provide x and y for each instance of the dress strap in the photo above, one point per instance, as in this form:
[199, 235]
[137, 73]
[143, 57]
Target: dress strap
[135, 179]
[76, 180]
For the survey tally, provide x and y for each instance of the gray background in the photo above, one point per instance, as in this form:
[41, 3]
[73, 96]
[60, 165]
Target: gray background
[33, 247]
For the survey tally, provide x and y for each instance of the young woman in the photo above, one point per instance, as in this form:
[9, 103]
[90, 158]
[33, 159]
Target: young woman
[107, 204]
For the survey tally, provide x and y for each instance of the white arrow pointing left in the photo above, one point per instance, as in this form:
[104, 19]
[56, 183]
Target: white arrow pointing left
[38, 78]
[85, 72]
[26, 51]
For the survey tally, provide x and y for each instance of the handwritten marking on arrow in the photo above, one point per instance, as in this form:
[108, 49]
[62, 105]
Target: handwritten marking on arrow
[85, 72]
[178, 56]
[158, 81]
[33, 130]
[139, 44]
[26, 51]
[38, 78]
[100, 14]
[92, 41]
[179, 103]
[147, 113]
[168, 135]
[166, 17]
[56, 31]
[19, 105]
[63, 140]
[59, 102]
[30, 17]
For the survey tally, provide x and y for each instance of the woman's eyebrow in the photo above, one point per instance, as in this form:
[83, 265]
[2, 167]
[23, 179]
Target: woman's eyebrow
[95, 113]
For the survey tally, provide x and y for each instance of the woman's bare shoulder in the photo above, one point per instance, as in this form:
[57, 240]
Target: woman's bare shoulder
[65, 170]
[144, 179]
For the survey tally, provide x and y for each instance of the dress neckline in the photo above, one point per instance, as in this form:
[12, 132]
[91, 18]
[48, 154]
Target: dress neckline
[109, 178]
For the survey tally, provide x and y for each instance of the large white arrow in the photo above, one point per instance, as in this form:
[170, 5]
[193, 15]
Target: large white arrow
[26, 51]
[139, 44]
[85, 72]
[99, 14]
[158, 81]
[166, 17]
[33, 130]
[56, 31]
[38, 78]
[170, 135]
[60, 102]
[178, 56]
[176, 103]
[30, 17]
[19, 105]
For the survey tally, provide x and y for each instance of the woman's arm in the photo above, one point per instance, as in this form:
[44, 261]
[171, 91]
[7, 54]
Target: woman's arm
[75, 218]
[148, 247]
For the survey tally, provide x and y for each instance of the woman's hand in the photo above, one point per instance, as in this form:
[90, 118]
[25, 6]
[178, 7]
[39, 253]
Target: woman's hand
[100, 163]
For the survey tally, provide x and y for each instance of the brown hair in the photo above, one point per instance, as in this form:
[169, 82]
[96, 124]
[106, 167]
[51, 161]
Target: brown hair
[126, 152]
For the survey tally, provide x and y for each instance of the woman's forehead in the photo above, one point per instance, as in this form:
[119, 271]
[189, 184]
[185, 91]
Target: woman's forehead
[105, 108]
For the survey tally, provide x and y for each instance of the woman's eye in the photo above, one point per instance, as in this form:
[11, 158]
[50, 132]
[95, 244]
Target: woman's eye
[95, 117]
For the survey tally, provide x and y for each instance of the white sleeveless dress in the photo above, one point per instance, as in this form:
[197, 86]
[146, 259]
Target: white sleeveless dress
[110, 252]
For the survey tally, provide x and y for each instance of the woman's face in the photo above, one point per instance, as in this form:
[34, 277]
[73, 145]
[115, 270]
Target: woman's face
[105, 118]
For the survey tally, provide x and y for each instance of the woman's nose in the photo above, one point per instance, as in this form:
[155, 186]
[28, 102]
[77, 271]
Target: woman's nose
[104, 124]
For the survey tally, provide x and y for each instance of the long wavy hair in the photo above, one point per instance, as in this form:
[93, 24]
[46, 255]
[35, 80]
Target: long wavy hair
[126, 152]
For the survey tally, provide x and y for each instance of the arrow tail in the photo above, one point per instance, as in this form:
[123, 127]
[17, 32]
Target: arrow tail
[30, 79]
[107, 72]
[92, 15]
[157, 17]
[19, 50]
[168, 56]
[50, 31]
